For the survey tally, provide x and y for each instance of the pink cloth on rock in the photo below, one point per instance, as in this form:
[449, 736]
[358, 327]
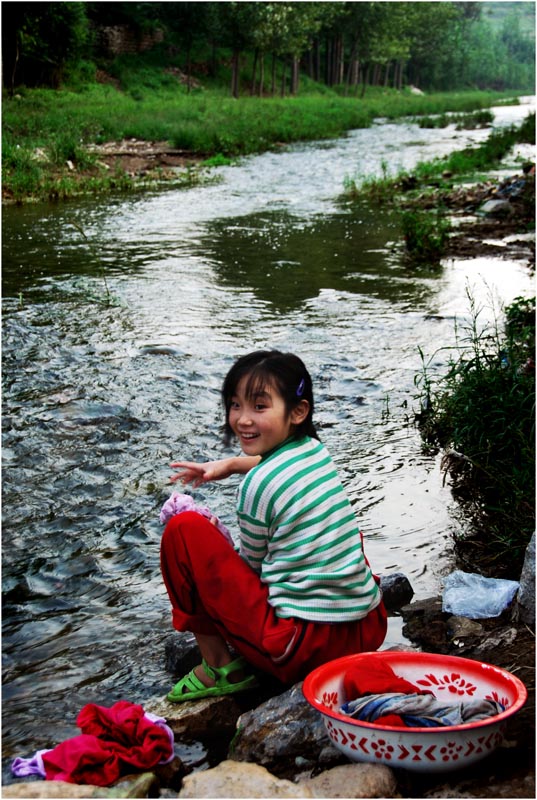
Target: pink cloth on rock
[178, 503]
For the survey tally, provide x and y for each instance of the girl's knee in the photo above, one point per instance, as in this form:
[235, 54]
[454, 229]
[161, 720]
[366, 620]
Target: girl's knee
[178, 527]
[187, 526]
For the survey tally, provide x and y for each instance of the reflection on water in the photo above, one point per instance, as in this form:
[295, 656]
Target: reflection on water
[99, 399]
[287, 261]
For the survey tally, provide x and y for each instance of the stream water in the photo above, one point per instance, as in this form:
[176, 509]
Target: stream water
[99, 398]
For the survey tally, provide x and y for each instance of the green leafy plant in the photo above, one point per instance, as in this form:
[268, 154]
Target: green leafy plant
[482, 413]
[218, 160]
[469, 161]
[466, 121]
[425, 235]
[67, 147]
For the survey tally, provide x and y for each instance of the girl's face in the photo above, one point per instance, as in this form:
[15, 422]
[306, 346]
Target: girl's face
[261, 422]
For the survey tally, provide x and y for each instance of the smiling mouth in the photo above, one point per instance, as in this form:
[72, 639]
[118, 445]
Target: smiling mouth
[248, 436]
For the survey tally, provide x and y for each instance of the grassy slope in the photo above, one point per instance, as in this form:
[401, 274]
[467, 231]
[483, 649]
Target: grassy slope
[154, 105]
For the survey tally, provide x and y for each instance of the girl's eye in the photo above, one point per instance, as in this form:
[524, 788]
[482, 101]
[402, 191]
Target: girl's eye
[260, 406]
[234, 404]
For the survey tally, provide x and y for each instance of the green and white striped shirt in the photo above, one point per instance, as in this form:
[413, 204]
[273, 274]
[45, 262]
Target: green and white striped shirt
[299, 532]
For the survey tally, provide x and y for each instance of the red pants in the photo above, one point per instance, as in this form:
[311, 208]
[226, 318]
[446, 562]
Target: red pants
[214, 591]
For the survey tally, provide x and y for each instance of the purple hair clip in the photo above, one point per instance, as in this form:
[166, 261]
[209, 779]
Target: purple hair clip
[300, 390]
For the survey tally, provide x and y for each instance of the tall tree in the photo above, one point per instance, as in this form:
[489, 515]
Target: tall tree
[432, 46]
[190, 24]
[236, 21]
[40, 39]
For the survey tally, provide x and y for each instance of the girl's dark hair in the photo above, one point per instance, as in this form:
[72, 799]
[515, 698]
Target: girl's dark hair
[284, 371]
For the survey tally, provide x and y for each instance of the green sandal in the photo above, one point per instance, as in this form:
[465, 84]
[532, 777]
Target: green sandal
[191, 688]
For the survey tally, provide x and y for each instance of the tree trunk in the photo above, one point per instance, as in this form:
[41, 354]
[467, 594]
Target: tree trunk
[359, 72]
[400, 75]
[328, 63]
[387, 74]
[188, 70]
[282, 87]
[212, 67]
[261, 74]
[273, 76]
[335, 62]
[365, 78]
[333, 57]
[295, 72]
[235, 74]
[15, 65]
[340, 60]
[310, 64]
[254, 70]
[351, 68]
[376, 72]
[317, 60]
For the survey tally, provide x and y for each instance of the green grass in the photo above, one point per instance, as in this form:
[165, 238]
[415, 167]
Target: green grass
[425, 234]
[466, 121]
[471, 161]
[49, 127]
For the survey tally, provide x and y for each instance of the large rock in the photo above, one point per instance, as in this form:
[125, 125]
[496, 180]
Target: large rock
[526, 592]
[396, 590]
[497, 208]
[55, 790]
[182, 654]
[498, 640]
[197, 718]
[234, 779]
[145, 785]
[243, 779]
[354, 780]
[281, 732]
[425, 624]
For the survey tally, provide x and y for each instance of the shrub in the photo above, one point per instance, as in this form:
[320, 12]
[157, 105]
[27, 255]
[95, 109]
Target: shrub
[482, 412]
[425, 236]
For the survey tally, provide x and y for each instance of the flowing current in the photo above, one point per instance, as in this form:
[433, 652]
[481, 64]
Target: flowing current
[100, 397]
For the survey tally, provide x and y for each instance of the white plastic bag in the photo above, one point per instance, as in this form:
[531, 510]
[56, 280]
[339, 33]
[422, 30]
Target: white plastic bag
[467, 594]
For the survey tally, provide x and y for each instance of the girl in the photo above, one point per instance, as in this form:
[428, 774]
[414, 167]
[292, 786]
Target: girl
[300, 591]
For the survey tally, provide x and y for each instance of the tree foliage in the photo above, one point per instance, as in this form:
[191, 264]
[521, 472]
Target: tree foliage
[39, 39]
[349, 45]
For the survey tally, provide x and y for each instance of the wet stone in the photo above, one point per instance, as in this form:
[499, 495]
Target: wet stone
[396, 590]
[526, 593]
[145, 785]
[280, 730]
[354, 780]
[230, 779]
[198, 718]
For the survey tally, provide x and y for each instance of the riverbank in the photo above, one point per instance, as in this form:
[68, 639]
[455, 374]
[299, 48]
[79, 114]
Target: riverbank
[271, 743]
[468, 206]
[117, 143]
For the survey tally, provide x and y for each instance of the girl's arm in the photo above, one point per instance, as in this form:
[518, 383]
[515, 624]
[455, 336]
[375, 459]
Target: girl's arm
[198, 473]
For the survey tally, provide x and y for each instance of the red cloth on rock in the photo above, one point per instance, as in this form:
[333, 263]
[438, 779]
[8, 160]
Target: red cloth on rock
[113, 742]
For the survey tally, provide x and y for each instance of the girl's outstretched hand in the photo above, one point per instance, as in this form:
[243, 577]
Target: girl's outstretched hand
[196, 474]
